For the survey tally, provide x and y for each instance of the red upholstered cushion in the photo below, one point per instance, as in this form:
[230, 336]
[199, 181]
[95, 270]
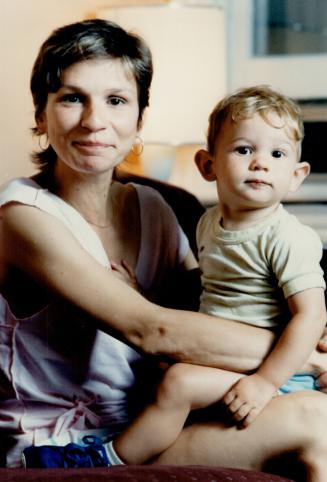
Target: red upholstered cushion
[135, 473]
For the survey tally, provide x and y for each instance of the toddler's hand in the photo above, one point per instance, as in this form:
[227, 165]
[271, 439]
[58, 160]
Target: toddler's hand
[247, 398]
[124, 272]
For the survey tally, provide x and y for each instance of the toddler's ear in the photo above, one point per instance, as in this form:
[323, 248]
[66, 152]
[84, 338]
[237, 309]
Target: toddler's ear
[301, 171]
[204, 162]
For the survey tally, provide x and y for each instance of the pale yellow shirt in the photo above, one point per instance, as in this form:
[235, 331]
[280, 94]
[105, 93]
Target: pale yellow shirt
[247, 275]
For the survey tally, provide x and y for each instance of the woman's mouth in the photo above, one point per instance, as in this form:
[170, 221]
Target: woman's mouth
[94, 144]
[91, 146]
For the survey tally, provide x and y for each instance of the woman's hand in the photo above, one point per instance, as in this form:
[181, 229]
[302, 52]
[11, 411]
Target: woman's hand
[126, 273]
[322, 344]
[321, 360]
[317, 363]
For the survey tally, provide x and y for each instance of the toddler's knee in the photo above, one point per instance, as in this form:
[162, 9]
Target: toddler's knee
[176, 384]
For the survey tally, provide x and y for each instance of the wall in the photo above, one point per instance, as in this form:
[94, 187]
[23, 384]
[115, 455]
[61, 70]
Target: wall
[24, 25]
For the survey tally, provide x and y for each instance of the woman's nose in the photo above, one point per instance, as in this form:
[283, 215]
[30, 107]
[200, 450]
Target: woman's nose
[93, 117]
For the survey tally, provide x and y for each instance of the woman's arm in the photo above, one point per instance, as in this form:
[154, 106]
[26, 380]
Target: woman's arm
[41, 246]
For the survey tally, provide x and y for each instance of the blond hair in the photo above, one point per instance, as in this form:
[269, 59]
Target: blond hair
[260, 99]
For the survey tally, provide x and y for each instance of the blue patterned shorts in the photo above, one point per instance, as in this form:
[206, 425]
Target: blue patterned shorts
[297, 383]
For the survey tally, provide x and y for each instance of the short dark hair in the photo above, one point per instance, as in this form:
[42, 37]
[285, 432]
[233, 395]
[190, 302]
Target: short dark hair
[85, 40]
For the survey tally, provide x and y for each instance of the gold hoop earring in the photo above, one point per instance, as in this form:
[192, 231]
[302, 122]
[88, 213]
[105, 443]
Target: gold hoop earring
[45, 144]
[138, 146]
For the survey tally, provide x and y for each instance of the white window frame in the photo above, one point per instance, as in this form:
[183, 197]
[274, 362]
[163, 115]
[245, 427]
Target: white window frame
[299, 76]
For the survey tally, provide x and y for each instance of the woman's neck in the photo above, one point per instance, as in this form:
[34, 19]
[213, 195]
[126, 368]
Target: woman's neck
[92, 196]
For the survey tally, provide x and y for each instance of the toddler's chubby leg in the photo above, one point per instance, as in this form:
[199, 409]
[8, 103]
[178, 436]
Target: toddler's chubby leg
[184, 388]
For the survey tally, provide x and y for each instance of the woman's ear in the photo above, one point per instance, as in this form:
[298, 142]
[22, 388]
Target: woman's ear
[41, 124]
[301, 171]
[204, 162]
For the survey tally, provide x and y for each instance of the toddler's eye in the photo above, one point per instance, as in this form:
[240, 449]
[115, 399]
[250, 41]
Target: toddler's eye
[243, 150]
[277, 154]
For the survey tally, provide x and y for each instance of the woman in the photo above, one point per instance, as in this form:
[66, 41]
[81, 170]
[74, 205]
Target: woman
[72, 331]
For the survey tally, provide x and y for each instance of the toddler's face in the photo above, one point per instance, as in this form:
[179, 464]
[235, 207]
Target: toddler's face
[254, 162]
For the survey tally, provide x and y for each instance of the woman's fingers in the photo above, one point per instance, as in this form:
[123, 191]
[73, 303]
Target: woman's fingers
[321, 383]
[322, 344]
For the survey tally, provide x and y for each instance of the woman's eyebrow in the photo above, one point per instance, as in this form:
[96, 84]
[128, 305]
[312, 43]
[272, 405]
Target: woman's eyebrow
[113, 90]
[71, 87]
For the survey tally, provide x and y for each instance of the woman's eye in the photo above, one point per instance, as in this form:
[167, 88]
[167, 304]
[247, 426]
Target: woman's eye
[116, 100]
[243, 150]
[72, 98]
[277, 154]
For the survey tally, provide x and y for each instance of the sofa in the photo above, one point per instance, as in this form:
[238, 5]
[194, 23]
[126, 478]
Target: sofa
[133, 473]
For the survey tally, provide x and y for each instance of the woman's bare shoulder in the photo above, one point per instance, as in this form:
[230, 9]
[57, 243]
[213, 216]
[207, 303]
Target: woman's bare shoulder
[24, 295]
[35, 241]
[25, 222]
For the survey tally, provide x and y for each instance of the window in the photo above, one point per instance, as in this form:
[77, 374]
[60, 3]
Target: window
[289, 27]
[264, 45]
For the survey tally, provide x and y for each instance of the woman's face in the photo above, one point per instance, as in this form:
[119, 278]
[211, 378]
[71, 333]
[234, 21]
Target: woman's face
[91, 121]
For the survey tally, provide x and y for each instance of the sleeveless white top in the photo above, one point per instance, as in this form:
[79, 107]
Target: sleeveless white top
[58, 373]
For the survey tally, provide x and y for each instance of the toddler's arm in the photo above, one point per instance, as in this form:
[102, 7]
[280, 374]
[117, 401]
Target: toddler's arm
[249, 395]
